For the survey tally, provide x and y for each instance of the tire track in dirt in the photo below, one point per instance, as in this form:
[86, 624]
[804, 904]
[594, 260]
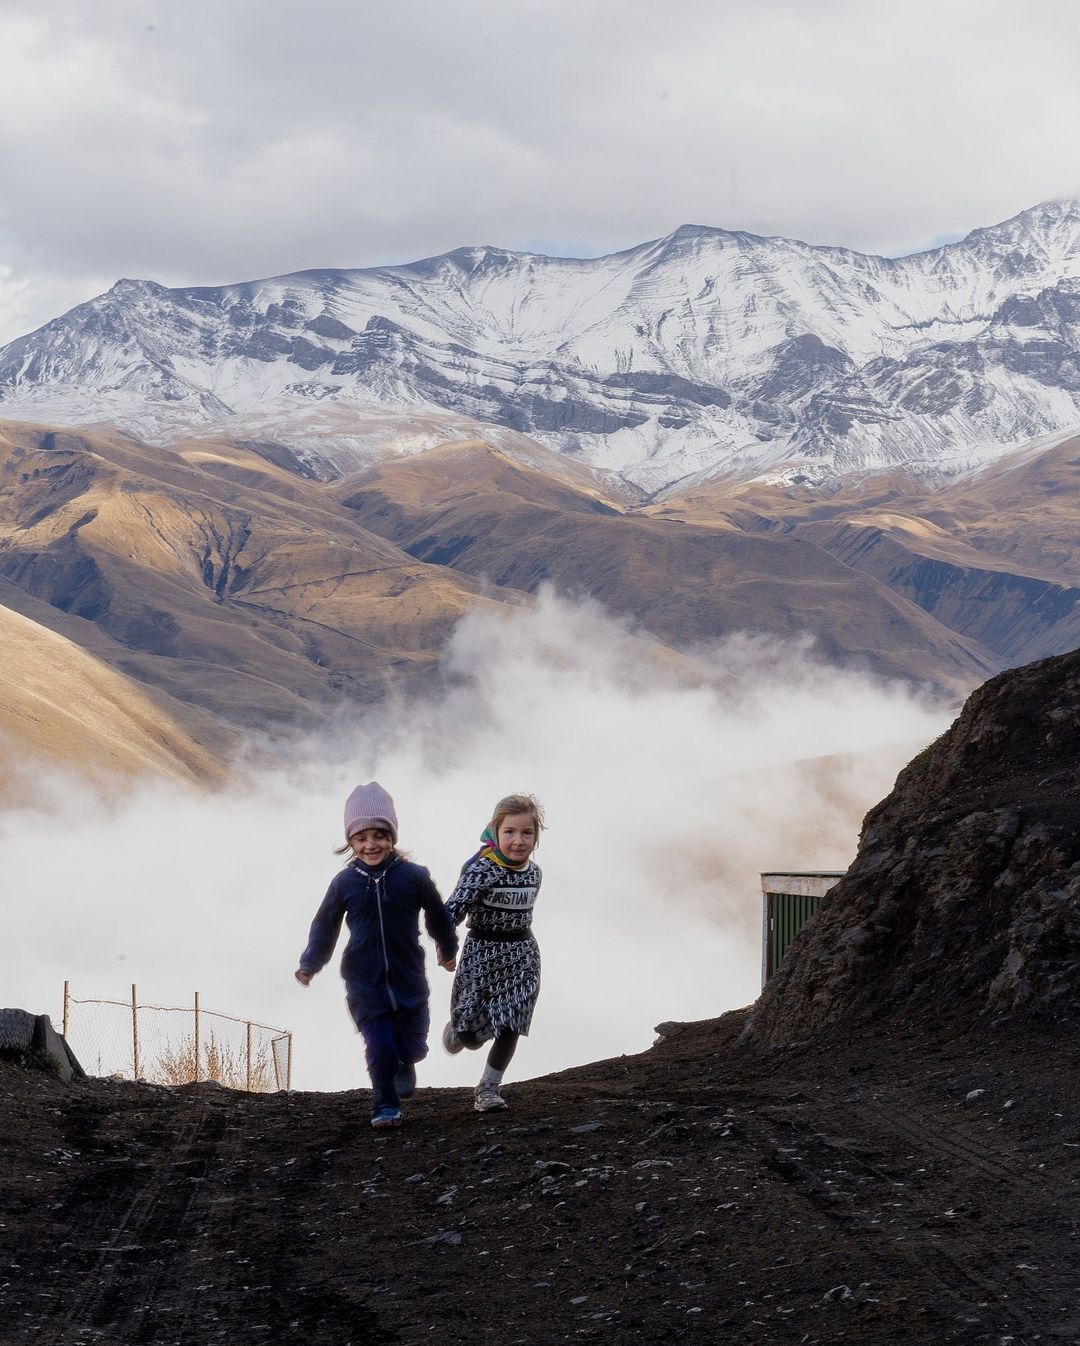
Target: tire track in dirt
[243, 1273]
[941, 1243]
[953, 1144]
[196, 1243]
[1020, 1200]
[772, 1131]
[135, 1249]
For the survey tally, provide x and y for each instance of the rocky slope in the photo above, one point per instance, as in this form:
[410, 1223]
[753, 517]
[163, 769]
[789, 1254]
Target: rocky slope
[963, 903]
[699, 353]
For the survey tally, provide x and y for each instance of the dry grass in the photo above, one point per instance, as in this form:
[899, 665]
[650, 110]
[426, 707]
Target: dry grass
[219, 1062]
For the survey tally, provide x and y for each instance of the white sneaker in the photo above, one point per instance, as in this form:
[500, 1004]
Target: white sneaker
[486, 1098]
[450, 1040]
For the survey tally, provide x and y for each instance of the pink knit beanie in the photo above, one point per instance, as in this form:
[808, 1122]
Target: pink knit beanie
[370, 806]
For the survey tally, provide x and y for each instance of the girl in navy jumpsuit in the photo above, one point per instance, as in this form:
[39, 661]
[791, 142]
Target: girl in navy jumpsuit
[380, 896]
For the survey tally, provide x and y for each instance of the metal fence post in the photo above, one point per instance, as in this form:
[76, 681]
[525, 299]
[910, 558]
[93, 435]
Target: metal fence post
[197, 1046]
[67, 998]
[249, 1056]
[288, 1066]
[134, 1032]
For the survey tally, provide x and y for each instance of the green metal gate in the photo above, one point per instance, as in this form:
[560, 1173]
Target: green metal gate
[788, 913]
[790, 899]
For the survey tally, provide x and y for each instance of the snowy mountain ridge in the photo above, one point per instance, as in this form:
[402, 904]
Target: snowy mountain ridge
[702, 353]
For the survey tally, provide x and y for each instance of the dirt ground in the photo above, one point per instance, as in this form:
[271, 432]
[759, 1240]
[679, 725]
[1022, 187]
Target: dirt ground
[887, 1190]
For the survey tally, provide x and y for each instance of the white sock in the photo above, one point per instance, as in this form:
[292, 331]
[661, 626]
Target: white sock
[493, 1077]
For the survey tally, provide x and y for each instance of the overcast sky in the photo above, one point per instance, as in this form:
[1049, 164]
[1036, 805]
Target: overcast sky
[204, 142]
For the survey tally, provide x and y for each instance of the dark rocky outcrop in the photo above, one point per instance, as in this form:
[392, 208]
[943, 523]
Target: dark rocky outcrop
[963, 903]
[31, 1041]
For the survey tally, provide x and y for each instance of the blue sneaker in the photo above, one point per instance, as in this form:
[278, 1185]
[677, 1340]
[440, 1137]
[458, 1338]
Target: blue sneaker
[405, 1080]
[386, 1118]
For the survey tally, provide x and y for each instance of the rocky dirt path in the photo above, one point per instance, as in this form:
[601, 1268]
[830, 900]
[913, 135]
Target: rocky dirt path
[908, 1191]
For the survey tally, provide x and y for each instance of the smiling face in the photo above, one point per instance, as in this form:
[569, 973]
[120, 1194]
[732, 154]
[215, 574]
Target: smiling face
[372, 845]
[517, 837]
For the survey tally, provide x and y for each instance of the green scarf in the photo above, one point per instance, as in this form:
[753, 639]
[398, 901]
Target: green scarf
[490, 851]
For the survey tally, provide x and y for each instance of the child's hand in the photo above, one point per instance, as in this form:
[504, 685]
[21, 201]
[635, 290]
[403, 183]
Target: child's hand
[304, 978]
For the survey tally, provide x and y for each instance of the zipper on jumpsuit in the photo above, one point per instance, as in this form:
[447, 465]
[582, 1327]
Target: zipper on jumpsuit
[382, 937]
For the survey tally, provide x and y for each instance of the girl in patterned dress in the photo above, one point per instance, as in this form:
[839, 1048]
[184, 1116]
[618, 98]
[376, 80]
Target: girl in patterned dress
[498, 973]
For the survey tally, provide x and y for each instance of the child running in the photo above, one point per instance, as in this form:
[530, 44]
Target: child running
[380, 895]
[498, 978]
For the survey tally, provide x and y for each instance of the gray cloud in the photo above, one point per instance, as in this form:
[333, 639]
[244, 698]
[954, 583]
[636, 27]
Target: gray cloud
[202, 143]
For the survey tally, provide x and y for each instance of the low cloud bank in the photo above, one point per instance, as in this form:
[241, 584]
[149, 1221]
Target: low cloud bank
[665, 799]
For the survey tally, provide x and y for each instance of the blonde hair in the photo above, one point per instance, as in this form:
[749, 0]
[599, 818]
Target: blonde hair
[511, 804]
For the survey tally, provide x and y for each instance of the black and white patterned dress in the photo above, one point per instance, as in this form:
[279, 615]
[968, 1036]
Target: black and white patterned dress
[498, 972]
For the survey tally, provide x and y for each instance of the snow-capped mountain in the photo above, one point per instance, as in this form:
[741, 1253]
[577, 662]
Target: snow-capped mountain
[702, 353]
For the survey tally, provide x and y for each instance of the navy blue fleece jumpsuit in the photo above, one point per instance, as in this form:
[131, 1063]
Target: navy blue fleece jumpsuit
[383, 963]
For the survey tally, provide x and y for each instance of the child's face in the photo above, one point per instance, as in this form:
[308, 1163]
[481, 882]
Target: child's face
[517, 837]
[372, 845]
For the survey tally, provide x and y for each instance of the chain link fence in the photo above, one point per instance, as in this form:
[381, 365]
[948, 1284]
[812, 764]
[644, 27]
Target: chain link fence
[176, 1044]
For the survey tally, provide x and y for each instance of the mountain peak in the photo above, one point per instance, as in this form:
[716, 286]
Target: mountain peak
[129, 287]
[698, 231]
[1052, 225]
[705, 352]
[688, 237]
[483, 254]
[1054, 210]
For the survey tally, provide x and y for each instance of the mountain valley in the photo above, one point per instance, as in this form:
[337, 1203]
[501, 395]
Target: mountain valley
[225, 577]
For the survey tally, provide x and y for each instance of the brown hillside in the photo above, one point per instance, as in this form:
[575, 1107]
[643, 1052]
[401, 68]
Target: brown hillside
[229, 583]
[995, 558]
[220, 574]
[475, 510]
[62, 705]
[1025, 508]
